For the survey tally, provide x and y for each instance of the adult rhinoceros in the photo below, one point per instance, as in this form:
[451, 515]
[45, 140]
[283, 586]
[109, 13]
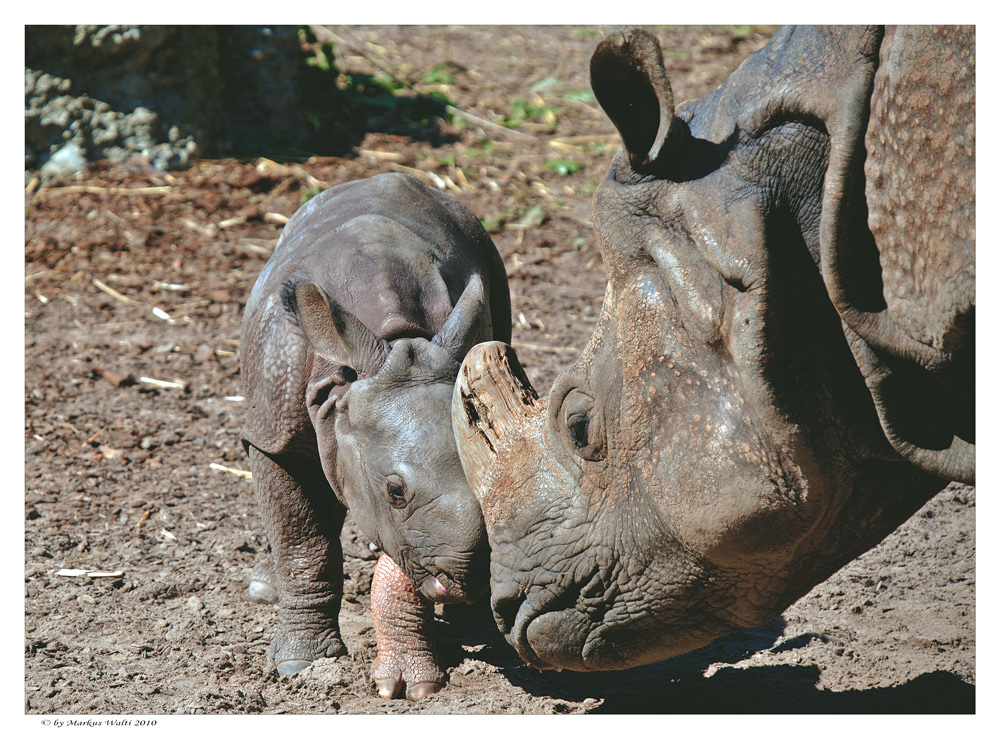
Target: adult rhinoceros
[783, 368]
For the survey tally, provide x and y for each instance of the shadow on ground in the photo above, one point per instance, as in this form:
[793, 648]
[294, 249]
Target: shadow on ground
[680, 685]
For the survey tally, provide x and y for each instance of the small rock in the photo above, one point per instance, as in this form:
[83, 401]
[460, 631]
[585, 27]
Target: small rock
[169, 439]
[194, 603]
[68, 160]
[116, 378]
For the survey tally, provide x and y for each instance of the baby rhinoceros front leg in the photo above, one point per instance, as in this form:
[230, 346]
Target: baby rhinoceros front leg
[404, 631]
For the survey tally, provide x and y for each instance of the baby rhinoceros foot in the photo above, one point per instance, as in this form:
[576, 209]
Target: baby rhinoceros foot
[261, 582]
[295, 646]
[404, 624]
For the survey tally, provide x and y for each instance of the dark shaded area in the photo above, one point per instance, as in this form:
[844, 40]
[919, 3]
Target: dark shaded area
[232, 90]
[791, 690]
[343, 107]
[681, 687]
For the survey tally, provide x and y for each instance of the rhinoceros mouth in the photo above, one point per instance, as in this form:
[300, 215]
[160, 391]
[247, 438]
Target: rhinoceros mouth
[518, 636]
[434, 590]
[549, 627]
[441, 588]
[582, 626]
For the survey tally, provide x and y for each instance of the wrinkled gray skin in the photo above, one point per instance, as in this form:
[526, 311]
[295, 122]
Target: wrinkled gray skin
[783, 368]
[351, 342]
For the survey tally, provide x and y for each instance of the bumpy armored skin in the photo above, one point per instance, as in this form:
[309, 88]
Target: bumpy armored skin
[305, 520]
[351, 341]
[783, 370]
[404, 630]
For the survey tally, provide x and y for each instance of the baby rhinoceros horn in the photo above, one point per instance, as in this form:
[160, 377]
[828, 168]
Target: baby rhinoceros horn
[460, 331]
[336, 334]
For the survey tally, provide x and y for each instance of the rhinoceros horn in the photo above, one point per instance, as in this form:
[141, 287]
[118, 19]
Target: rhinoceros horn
[493, 399]
[458, 334]
[631, 84]
[336, 334]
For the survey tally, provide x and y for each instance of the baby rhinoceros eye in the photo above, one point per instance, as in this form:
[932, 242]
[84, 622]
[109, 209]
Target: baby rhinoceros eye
[395, 490]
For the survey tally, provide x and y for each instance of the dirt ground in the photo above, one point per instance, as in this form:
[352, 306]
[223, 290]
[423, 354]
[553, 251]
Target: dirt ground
[140, 526]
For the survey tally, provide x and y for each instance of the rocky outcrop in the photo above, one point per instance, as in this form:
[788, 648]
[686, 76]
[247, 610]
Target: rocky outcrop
[165, 93]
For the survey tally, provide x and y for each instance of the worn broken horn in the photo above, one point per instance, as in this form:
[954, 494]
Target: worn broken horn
[492, 399]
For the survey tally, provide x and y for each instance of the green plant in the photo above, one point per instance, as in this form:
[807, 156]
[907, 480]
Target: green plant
[523, 110]
[484, 149]
[309, 194]
[439, 75]
[441, 98]
[322, 57]
[492, 224]
[564, 166]
[533, 217]
[580, 96]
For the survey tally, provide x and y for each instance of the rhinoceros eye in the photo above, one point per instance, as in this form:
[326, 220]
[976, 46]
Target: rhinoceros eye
[395, 490]
[583, 426]
[578, 427]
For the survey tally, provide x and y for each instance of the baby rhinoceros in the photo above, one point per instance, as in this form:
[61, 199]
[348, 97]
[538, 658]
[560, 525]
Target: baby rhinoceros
[351, 343]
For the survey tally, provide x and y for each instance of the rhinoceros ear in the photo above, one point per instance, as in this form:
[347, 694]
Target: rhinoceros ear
[631, 84]
[336, 334]
[461, 330]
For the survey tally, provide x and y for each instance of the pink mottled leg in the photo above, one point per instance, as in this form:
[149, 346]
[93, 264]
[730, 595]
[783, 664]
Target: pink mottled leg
[404, 631]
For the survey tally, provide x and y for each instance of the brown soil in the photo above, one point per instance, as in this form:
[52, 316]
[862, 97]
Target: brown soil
[135, 275]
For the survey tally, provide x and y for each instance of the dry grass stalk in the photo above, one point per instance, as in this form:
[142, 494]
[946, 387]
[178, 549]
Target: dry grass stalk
[503, 130]
[111, 291]
[161, 383]
[93, 190]
[540, 348]
[231, 470]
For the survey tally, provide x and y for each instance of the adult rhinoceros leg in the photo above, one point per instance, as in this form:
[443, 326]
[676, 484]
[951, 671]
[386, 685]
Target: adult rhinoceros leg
[404, 630]
[302, 519]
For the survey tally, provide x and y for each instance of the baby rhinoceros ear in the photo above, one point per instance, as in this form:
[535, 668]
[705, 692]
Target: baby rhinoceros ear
[336, 334]
[461, 330]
